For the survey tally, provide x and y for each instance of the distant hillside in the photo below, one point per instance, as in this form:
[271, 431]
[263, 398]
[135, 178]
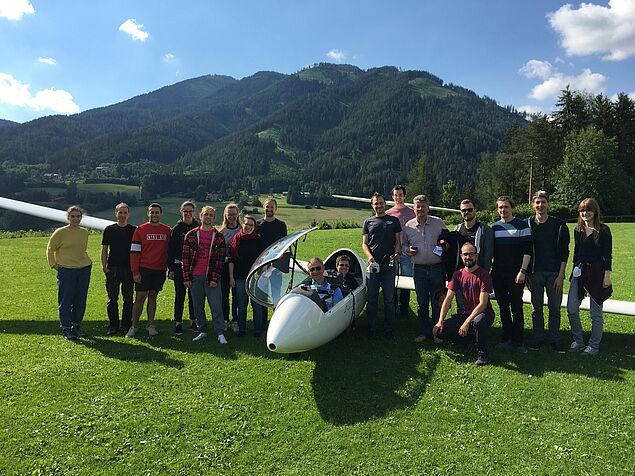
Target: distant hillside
[6, 123]
[327, 127]
[362, 134]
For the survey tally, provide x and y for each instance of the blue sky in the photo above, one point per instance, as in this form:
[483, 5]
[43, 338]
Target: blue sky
[62, 56]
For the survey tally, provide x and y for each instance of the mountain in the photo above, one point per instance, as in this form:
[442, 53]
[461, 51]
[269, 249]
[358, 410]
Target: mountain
[6, 123]
[326, 127]
[38, 140]
[361, 135]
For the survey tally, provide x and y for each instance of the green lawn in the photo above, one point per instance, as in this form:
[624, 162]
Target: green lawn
[295, 216]
[172, 406]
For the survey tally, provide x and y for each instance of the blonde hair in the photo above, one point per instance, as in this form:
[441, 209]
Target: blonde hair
[205, 208]
[74, 208]
[230, 206]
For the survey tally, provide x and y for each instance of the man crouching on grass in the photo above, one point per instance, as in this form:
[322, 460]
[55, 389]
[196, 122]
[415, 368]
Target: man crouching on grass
[475, 284]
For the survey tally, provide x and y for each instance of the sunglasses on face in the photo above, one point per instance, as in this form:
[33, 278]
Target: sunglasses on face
[315, 268]
[467, 210]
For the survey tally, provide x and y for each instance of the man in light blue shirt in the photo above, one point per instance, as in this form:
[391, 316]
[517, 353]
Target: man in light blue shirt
[331, 295]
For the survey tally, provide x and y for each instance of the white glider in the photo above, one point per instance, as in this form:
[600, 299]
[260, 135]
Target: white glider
[301, 320]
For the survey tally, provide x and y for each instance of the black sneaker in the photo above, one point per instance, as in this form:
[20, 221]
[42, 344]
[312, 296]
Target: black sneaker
[556, 347]
[535, 345]
[111, 331]
[389, 335]
[482, 360]
[193, 326]
[68, 334]
[178, 329]
[505, 344]
[77, 331]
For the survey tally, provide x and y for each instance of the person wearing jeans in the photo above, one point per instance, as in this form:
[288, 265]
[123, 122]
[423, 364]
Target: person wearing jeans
[421, 242]
[67, 254]
[202, 260]
[381, 242]
[245, 247]
[592, 258]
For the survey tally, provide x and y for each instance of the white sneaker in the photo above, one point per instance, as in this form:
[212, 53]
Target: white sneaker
[152, 331]
[131, 332]
[420, 338]
[588, 350]
[235, 327]
[200, 336]
[227, 325]
[221, 339]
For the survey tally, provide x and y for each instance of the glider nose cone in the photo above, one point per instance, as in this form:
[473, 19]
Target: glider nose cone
[292, 326]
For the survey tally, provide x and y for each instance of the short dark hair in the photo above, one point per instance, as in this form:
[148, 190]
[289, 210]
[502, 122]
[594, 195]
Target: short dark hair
[187, 203]
[398, 187]
[341, 258]
[377, 195]
[540, 194]
[272, 200]
[508, 199]
[155, 205]
[465, 201]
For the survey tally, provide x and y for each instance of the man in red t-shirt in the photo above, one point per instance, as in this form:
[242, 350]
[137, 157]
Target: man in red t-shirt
[475, 284]
[148, 263]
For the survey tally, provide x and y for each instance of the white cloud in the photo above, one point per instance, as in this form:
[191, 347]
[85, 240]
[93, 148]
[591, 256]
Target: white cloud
[336, 55]
[586, 81]
[15, 93]
[15, 9]
[12, 91]
[56, 100]
[536, 69]
[168, 58]
[134, 29]
[592, 29]
[50, 61]
[529, 109]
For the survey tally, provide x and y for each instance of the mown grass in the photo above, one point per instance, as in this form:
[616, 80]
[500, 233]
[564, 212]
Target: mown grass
[173, 406]
[295, 216]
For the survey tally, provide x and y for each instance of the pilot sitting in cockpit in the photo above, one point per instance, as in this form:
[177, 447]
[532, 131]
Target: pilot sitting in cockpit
[331, 295]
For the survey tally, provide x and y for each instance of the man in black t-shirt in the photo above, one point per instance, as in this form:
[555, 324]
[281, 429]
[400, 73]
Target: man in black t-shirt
[381, 242]
[115, 262]
[546, 271]
[270, 230]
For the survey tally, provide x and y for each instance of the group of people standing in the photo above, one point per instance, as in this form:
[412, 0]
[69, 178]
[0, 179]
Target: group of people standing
[209, 264]
[205, 264]
[476, 259]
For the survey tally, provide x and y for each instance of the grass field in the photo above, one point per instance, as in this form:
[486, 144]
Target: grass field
[168, 405]
[295, 216]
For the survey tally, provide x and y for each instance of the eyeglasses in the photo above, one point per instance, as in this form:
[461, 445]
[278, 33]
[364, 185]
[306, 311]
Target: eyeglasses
[315, 268]
[342, 265]
[467, 210]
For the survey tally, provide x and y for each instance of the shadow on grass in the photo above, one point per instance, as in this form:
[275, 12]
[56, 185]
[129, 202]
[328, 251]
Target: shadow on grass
[615, 360]
[356, 379]
[129, 352]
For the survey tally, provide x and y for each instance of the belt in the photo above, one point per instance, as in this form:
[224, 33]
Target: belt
[428, 266]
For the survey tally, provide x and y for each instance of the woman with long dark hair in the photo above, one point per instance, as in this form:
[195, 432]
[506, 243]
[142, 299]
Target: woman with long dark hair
[245, 248]
[591, 274]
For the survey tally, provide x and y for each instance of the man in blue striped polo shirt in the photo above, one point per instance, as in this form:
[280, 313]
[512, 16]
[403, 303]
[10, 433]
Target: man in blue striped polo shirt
[512, 253]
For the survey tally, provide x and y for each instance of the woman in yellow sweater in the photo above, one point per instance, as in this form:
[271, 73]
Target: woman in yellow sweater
[67, 254]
